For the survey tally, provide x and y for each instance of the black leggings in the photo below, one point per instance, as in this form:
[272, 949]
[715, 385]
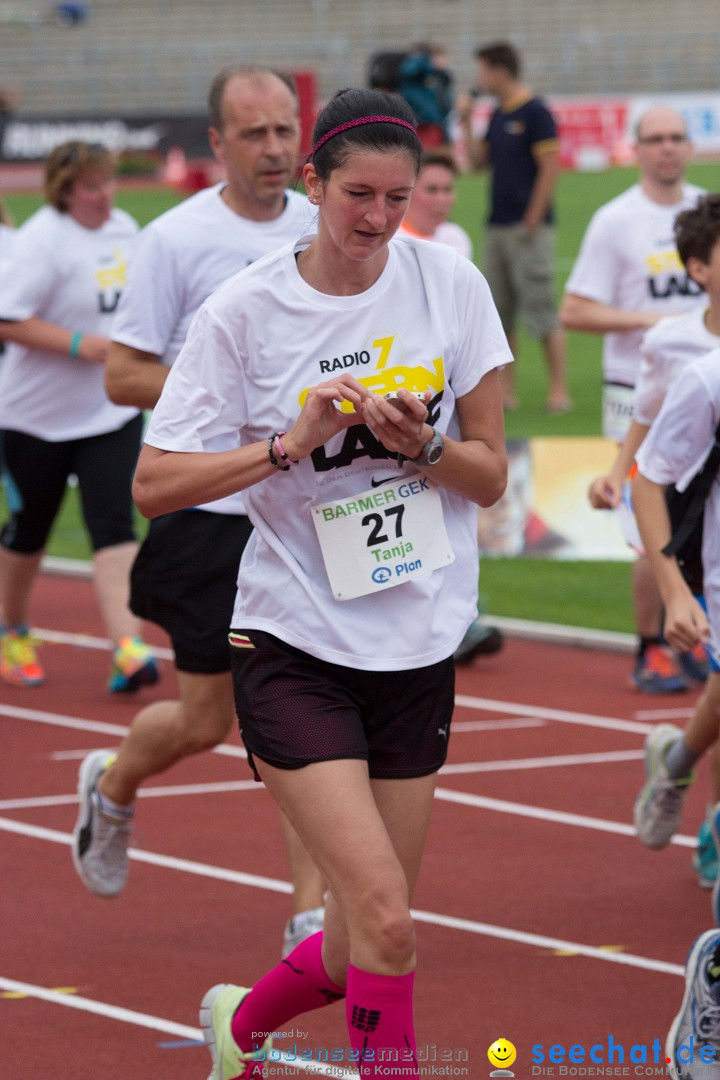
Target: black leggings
[39, 470]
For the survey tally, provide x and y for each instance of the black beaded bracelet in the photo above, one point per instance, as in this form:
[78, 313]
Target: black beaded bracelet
[271, 454]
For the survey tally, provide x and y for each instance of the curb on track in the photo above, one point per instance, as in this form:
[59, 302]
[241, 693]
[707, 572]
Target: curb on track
[522, 629]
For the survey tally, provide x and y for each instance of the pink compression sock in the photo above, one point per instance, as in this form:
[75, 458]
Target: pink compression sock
[380, 1023]
[298, 984]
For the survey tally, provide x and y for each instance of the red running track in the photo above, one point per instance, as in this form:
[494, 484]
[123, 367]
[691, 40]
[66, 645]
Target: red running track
[540, 918]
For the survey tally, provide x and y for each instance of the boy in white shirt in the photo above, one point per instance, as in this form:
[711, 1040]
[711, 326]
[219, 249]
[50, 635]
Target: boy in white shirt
[667, 349]
[674, 451]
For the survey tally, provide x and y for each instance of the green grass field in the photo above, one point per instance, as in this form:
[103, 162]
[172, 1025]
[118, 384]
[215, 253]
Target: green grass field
[578, 594]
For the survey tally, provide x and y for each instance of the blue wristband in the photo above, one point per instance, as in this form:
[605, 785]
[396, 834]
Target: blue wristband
[75, 344]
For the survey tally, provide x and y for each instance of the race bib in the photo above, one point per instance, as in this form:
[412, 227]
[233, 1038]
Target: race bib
[387, 536]
[617, 410]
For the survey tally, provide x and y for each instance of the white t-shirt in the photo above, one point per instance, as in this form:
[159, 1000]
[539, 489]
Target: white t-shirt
[667, 349]
[674, 451]
[448, 233]
[628, 260]
[254, 347]
[73, 277]
[181, 258]
[7, 239]
[7, 242]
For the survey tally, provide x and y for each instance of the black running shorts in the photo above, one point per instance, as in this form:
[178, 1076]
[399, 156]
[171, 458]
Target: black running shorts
[295, 709]
[184, 579]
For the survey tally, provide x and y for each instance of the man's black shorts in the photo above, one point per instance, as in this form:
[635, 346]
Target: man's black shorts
[184, 579]
[295, 709]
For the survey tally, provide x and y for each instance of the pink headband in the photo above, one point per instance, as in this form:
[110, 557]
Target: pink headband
[357, 123]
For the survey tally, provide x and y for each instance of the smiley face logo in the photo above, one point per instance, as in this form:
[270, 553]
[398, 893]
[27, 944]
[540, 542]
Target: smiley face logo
[502, 1053]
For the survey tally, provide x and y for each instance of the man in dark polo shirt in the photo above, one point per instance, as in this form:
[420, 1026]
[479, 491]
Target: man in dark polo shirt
[521, 148]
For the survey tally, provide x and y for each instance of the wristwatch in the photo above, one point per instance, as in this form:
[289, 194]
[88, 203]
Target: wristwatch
[433, 450]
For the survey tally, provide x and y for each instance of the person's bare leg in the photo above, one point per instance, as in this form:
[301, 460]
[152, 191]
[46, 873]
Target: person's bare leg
[308, 885]
[702, 729]
[167, 731]
[558, 398]
[111, 578]
[17, 574]
[647, 603]
[338, 814]
[715, 769]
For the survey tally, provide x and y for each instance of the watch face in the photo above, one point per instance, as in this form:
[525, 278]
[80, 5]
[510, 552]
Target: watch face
[434, 450]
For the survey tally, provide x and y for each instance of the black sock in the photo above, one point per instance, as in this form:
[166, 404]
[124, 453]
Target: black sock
[645, 642]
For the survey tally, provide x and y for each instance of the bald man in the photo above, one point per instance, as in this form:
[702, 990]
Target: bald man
[184, 578]
[628, 275]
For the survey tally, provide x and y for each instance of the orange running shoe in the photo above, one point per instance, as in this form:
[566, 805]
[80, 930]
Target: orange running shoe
[18, 659]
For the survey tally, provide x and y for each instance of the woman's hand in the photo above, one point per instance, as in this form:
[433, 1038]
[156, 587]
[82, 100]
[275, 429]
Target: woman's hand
[321, 418]
[399, 424]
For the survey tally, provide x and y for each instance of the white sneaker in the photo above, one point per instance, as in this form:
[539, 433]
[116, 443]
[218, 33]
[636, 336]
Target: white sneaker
[698, 1022]
[658, 808]
[217, 1010]
[301, 926]
[100, 842]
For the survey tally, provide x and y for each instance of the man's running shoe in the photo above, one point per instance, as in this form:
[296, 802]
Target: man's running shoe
[133, 666]
[480, 640]
[18, 659]
[301, 926]
[705, 856]
[100, 841]
[658, 807]
[698, 1022]
[656, 672]
[217, 1010]
[695, 664]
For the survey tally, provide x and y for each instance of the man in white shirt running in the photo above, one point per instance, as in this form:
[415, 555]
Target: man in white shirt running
[628, 275]
[184, 577]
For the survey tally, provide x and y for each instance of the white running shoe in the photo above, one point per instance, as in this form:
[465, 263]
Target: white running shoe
[658, 807]
[301, 926]
[100, 842]
[697, 1025]
[217, 1010]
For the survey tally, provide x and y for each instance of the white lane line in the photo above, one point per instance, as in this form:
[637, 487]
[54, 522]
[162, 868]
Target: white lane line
[432, 918]
[169, 862]
[462, 726]
[223, 787]
[558, 817]
[559, 760]
[663, 714]
[155, 1023]
[76, 723]
[563, 716]
[88, 641]
[220, 788]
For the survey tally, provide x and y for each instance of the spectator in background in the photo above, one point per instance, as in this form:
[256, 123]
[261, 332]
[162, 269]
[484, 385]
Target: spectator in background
[57, 299]
[520, 146]
[431, 204]
[627, 276]
[426, 84]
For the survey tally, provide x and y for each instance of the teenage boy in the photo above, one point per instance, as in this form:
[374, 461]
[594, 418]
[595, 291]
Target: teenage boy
[667, 350]
[674, 451]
